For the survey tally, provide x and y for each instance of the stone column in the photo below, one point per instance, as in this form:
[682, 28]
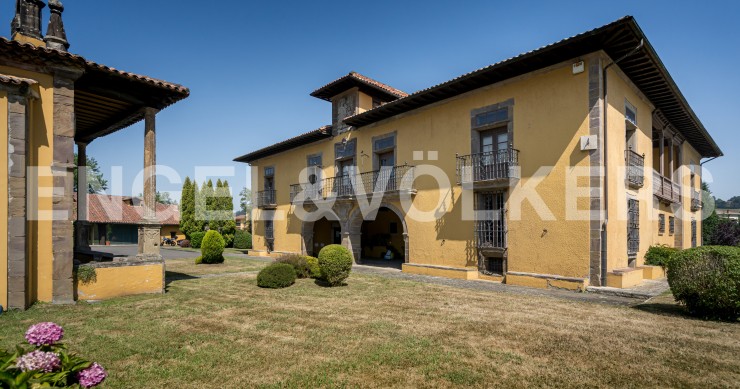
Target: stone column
[17, 200]
[149, 232]
[62, 169]
[82, 226]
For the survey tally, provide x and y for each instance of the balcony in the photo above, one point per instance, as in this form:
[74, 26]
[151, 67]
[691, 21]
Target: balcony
[635, 169]
[488, 169]
[695, 201]
[665, 189]
[386, 180]
[267, 199]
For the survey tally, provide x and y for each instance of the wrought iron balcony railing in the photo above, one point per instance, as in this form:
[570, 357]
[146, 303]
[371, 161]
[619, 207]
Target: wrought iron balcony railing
[489, 166]
[665, 189]
[490, 234]
[385, 180]
[635, 169]
[696, 203]
[267, 199]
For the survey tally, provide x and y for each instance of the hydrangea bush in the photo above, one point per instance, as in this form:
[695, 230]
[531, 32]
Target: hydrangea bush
[45, 362]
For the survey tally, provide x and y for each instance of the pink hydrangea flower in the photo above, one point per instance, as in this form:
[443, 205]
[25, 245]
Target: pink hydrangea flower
[39, 361]
[44, 334]
[92, 376]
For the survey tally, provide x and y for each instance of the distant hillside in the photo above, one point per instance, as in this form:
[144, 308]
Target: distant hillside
[733, 203]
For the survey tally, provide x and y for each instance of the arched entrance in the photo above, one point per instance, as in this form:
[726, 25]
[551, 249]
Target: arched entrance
[320, 233]
[383, 241]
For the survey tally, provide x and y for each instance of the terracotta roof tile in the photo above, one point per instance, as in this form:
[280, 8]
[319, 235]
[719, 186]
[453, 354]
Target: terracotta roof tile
[81, 61]
[6, 79]
[327, 90]
[115, 210]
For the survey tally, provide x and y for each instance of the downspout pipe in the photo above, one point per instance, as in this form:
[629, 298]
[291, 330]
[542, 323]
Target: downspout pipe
[604, 97]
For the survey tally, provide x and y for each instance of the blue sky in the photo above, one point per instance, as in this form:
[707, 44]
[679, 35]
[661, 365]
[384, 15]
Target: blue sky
[251, 65]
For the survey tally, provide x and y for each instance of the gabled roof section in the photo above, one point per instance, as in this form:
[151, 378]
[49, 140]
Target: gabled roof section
[366, 85]
[109, 209]
[300, 140]
[617, 39]
[16, 81]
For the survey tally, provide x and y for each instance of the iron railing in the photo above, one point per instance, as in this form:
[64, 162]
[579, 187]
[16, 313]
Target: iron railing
[695, 200]
[665, 189]
[490, 234]
[635, 169]
[267, 199]
[489, 166]
[633, 227]
[385, 180]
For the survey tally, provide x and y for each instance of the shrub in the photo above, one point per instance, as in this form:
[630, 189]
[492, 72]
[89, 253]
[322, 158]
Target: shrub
[242, 240]
[184, 243]
[313, 267]
[212, 249]
[707, 280]
[228, 240]
[660, 255]
[277, 275]
[299, 263]
[727, 233]
[196, 239]
[335, 263]
[86, 274]
[46, 362]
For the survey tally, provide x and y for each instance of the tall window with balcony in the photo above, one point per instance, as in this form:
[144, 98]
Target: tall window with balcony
[492, 155]
[635, 161]
[666, 158]
[267, 198]
[384, 163]
[344, 156]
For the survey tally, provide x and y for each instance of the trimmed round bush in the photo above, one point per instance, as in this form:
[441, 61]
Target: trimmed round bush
[276, 276]
[707, 280]
[212, 249]
[313, 267]
[299, 264]
[196, 239]
[335, 263]
[660, 255]
[242, 240]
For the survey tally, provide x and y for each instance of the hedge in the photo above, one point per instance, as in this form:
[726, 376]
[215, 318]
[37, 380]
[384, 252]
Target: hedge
[313, 267]
[335, 263]
[299, 263]
[707, 280]
[660, 255]
[275, 276]
[242, 240]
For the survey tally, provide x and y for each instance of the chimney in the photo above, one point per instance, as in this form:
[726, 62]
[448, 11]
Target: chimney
[26, 25]
[56, 37]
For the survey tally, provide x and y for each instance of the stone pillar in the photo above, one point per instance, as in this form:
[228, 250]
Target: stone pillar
[149, 232]
[62, 201]
[82, 226]
[17, 200]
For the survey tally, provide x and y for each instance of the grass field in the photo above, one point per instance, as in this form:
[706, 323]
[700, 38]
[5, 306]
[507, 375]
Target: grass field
[379, 332]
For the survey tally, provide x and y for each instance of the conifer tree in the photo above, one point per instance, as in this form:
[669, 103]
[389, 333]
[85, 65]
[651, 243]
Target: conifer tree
[187, 208]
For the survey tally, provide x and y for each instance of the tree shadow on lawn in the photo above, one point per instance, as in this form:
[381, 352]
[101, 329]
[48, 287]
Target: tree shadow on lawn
[325, 284]
[170, 276]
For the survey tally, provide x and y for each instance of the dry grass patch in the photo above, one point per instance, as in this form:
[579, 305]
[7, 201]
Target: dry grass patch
[377, 332]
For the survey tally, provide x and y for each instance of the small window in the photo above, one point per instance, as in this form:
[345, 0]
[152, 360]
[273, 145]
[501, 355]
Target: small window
[671, 225]
[269, 172]
[492, 117]
[269, 230]
[630, 116]
[495, 266]
[661, 223]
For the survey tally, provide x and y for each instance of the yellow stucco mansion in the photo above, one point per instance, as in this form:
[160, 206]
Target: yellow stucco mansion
[556, 168]
[50, 101]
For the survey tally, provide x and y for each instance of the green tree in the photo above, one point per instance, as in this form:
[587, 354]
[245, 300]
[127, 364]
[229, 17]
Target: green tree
[245, 202]
[95, 181]
[204, 203]
[229, 226]
[188, 224]
[165, 198]
[710, 223]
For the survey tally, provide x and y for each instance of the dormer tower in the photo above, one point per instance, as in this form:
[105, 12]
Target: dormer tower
[26, 24]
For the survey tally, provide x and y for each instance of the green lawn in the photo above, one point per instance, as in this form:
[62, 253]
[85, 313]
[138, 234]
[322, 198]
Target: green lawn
[378, 332]
[184, 267]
